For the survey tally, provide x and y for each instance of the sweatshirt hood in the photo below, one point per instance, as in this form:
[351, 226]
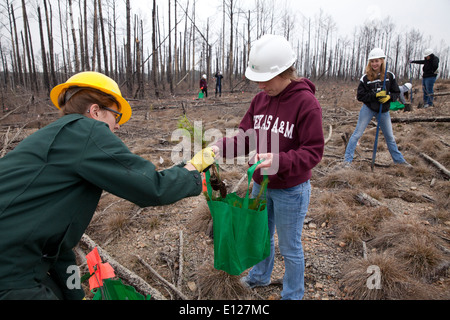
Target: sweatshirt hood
[294, 86]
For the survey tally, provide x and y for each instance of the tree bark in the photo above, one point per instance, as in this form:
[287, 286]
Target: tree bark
[44, 55]
[74, 38]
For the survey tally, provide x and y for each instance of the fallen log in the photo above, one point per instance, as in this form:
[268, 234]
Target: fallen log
[437, 164]
[420, 119]
[367, 200]
[130, 277]
[440, 94]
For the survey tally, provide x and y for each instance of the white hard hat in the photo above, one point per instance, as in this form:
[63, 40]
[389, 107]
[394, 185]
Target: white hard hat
[204, 76]
[408, 85]
[270, 56]
[428, 52]
[377, 53]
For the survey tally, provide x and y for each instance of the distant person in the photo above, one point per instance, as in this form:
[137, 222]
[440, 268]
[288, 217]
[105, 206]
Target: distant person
[430, 73]
[404, 92]
[219, 78]
[204, 85]
[370, 92]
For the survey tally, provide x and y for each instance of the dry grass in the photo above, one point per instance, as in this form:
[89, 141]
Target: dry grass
[421, 256]
[201, 219]
[328, 207]
[360, 225]
[431, 147]
[442, 189]
[218, 285]
[398, 230]
[395, 282]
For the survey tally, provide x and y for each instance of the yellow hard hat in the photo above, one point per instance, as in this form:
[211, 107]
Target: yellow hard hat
[98, 81]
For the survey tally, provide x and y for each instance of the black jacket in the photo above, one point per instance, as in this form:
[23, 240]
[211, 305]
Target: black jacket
[367, 91]
[429, 66]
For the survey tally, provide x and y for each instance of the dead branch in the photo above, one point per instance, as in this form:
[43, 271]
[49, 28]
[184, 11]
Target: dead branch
[440, 94]
[329, 134]
[437, 164]
[5, 144]
[420, 119]
[239, 183]
[11, 112]
[27, 105]
[167, 283]
[180, 261]
[122, 272]
[9, 141]
[367, 200]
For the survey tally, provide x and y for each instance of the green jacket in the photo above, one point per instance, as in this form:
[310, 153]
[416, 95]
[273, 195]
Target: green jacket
[50, 185]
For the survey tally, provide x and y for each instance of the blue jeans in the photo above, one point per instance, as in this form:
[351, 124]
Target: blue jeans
[287, 209]
[428, 90]
[365, 116]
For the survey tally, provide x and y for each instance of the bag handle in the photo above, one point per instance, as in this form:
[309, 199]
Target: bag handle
[250, 173]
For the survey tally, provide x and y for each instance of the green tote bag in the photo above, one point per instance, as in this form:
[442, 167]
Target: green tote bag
[241, 232]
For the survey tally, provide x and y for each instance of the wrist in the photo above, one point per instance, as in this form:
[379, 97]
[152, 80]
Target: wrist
[190, 167]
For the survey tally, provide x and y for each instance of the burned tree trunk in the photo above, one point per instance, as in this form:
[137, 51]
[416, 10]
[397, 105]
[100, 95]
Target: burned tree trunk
[44, 60]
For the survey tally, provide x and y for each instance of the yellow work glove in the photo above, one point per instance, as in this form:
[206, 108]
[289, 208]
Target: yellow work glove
[381, 94]
[384, 99]
[203, 159]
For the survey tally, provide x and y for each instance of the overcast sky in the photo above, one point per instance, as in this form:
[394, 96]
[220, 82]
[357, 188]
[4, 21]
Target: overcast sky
[430, 17]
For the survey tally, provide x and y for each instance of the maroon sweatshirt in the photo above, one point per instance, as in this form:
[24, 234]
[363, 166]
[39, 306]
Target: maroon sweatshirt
[289, 126]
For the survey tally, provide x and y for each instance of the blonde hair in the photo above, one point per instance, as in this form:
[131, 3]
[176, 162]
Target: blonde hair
[372, 75]
[81, 100]
[290, 73]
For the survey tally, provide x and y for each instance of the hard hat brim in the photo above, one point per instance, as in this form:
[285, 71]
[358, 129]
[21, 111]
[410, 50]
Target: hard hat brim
[262, 76]
[124, 106]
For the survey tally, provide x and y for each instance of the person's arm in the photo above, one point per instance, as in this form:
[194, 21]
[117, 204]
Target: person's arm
[365, 94]
[107, 163]
[435, 63]
[394, 90]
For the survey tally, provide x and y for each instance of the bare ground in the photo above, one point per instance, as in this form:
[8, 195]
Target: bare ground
[408, 229]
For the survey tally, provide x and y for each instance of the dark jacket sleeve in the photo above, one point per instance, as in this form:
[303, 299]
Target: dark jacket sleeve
[107, 163]
[394, 90]
[435, 64]
[365, 94]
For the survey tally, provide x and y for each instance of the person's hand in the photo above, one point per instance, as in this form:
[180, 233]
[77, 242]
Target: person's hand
[384, 99]
[216, 150]
[203, 159]
[381, 94]
[267, 163]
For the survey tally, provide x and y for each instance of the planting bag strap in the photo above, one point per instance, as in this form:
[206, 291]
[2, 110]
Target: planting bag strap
[208, 183]
[250, 172]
